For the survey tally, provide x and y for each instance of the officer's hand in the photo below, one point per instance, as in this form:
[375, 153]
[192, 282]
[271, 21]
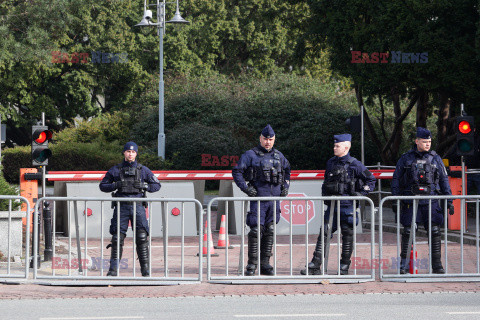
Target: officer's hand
[284, 192]
[450, 208]
[251, 191]
[358, 194]
[117, 185]
[395, 207]
[141, 185]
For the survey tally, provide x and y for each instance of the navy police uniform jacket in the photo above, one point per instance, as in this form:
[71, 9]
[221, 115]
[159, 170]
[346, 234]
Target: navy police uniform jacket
[358, 181]
[254, 161]
[403, 180]
[269, 173]
[126, 209]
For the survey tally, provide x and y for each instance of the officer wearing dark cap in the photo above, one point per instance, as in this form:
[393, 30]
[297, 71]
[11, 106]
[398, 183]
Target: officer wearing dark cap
[130, 180]
[344, 176]
[420, 171]
[262, 171]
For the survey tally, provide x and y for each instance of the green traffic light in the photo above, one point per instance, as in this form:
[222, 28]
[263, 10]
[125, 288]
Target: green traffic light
[41, 155]
[464, 145]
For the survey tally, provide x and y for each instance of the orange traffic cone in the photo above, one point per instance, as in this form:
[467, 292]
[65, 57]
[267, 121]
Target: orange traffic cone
[412, 261]
[208, 243]
[222, 242]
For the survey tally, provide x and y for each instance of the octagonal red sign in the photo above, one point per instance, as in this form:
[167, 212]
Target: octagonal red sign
[298, 209]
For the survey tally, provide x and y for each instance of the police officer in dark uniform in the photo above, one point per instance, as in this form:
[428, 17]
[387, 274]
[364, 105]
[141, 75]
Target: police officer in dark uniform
[421, 172]
[264, 172]
[344, 176]
[130, 180]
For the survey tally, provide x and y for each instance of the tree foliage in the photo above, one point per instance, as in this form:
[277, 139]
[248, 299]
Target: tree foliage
[40, 71]
[446, 30]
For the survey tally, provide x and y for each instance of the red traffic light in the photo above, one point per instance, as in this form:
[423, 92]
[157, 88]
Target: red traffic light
[464, 135]
[464, 127]
[40, 151]
[41, 136]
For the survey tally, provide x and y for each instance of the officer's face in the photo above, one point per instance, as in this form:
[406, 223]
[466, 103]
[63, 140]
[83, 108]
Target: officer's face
[423, 144]
[267, 143]
[340, 149]
[130, 155]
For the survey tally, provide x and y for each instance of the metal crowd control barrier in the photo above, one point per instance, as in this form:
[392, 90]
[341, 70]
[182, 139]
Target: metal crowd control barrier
[71, 266]
[419, 264]
[15, 258]
[288, 259]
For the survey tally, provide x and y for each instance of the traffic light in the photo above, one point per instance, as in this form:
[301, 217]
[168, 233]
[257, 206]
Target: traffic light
[40, 151]
[354, 123]
[465, 136]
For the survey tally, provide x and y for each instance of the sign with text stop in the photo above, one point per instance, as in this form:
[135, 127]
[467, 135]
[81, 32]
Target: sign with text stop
[298, 209]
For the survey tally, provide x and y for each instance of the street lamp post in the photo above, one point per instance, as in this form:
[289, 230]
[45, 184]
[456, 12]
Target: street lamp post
[147, 21]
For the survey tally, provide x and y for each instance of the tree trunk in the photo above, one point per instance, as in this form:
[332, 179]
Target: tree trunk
[390, 150]
[422, 108]
[442, 123]
[366, 118]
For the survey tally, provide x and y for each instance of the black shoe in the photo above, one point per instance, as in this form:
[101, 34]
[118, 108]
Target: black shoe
[250, 269]
[112, 273]
[311, 271]
[344, 269]
[438, 270]
[266, 270]
[145, 272]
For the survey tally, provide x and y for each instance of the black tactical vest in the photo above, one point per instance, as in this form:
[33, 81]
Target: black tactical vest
[130, 176]
[338, 181]
[270, 169]
[423, 174]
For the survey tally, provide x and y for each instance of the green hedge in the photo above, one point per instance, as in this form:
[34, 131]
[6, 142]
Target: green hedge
[214, 115]
[219, 116]
[75, 156]
[6, 189]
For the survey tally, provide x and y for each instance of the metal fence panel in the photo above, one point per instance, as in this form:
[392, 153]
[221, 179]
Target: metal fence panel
[81, 258]
[15, 240]
[459, 259]
[291, 253]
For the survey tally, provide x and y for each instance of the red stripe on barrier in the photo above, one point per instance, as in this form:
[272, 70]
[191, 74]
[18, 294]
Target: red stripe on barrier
[196, 175]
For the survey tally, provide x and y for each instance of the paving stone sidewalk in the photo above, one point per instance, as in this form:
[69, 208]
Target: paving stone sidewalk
[28, 291]
[31, 291]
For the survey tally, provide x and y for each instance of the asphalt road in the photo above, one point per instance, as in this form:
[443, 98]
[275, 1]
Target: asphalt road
[353, 306]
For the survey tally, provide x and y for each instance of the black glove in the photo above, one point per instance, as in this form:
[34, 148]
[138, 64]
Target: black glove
[117, 185]
[395, 207]
[141, 185]
[450, 208]
[284, 192]
[358, 194]
[251, 191]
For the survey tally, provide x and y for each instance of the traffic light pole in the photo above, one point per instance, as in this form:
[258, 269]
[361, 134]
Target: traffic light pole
[462, 202]
[46, 214]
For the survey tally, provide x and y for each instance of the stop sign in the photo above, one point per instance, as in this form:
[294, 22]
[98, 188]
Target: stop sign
[298, 209]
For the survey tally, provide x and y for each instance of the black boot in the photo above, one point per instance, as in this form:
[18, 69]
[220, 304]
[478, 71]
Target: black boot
[437, 250]
[347, 248]
[252, 251]
[142, 252]
[115, 255]
[404, 264]
[313, 267]
[266, 246]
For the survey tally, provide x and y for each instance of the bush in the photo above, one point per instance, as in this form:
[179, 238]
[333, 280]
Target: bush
[224, 117]
[76, 156]
[6, 189]
[110, 128]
